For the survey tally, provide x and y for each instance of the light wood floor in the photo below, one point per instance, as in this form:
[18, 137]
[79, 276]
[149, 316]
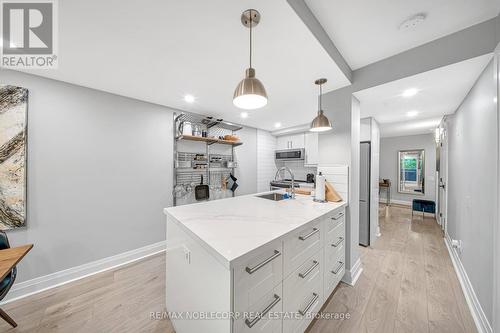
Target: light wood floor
[408, 285]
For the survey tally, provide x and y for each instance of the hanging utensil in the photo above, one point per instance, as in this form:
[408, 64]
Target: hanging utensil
[201, 192]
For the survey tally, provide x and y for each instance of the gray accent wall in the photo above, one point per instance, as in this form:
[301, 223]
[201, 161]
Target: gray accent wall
[389, 148]
[472, 191]
[100, 172]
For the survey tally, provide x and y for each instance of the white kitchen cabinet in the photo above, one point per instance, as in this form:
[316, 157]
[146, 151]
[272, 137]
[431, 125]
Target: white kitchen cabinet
[283, 142]
[292, 274]
[295, 141]
[311, 149]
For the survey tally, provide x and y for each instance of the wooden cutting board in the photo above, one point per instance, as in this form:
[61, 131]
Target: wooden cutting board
[303, 191]
[331, 194]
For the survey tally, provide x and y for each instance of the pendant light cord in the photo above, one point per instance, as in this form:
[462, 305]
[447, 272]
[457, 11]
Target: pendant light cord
[319, 98]
[251, 14]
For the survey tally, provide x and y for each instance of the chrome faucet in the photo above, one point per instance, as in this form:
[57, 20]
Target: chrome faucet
[285, 168]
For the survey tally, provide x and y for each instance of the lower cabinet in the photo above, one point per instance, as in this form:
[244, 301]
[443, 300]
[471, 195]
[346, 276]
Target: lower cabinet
[303, 294]
[276, 288]
[263, 315]
[283, 286]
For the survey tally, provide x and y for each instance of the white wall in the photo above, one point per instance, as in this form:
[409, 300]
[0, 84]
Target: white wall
[365, 130]
[353, 210]
[374, 138]
[266, 168]
[472, 178]
[389, 148]
[341, 146]
[100, 172]
[246, 155]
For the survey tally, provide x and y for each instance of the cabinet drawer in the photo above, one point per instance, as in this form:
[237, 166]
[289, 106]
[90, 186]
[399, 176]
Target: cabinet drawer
[258, 275]
[270, 305]
[335, 244]
[303, 294]
[334, 219]
[333, 273]
[301, 245]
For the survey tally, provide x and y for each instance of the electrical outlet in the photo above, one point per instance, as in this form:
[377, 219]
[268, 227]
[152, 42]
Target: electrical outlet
[457, 244]
[187, 254]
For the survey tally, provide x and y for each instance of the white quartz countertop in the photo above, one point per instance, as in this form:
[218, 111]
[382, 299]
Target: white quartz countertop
[235, 226]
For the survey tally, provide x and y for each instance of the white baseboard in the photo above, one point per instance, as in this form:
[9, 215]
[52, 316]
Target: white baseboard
[352, 275]
[39, 284]
[482, 323]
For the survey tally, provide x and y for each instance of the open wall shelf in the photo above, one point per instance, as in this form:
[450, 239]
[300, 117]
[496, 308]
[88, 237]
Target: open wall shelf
[213, 173]
[209, 141]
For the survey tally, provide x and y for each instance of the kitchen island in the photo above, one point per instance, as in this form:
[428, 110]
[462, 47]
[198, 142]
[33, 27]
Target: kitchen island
[251, 264]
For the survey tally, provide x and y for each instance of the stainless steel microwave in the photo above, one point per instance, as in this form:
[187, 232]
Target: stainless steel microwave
[290, 154]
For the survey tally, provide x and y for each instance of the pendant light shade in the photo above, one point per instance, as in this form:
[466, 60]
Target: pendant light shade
[250, 93]
[321, 122]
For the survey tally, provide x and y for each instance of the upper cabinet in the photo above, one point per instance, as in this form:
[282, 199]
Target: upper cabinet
[297, 141]
[282, 142]
[311, 141]
[308, 141]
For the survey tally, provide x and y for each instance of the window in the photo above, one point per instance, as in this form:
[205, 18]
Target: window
[411, 178]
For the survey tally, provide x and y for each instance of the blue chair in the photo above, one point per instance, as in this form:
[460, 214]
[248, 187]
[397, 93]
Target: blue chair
[424, 206]
[7, 281]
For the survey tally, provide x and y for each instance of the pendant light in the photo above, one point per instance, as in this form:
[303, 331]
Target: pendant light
[321, 122]
[250, 93]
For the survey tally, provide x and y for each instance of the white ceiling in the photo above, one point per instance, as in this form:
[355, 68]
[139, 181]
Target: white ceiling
[157, 51]
[404, 128]
[368, 31]
[440, 92]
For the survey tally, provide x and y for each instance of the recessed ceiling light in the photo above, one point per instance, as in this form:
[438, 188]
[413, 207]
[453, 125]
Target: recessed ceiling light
[413, 21]
[412, 113]
[244, 115]
[410, 92]
[189, 98]
[277, 125]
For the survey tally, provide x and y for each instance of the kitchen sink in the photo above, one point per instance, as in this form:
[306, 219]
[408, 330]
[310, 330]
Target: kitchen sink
[272, 196]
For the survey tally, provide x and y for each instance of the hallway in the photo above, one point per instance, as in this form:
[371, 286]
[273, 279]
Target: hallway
[408, 283]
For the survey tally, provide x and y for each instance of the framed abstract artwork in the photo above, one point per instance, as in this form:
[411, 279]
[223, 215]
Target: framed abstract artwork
[13, 142]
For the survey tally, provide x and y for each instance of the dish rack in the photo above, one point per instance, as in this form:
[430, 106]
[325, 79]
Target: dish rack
[203, 166]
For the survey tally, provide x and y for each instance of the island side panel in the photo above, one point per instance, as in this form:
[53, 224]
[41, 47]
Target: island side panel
[195, 283]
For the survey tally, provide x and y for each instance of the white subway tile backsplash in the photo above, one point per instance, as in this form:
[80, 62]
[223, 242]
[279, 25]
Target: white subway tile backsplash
[299, 170]
[266, 169]
[267, 166]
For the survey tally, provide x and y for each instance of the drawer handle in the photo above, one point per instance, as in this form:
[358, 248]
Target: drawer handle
[306, 273]
[339, 267]
[309, 305]
[258, 317]
[315, 230]
[251, 270]
[341, 239]
[338, 216]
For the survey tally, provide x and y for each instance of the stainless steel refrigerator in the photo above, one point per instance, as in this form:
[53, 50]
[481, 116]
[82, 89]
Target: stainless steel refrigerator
[364, 194]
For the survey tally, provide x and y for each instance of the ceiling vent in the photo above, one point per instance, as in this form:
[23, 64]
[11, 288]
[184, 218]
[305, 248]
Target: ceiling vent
[413, 21]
